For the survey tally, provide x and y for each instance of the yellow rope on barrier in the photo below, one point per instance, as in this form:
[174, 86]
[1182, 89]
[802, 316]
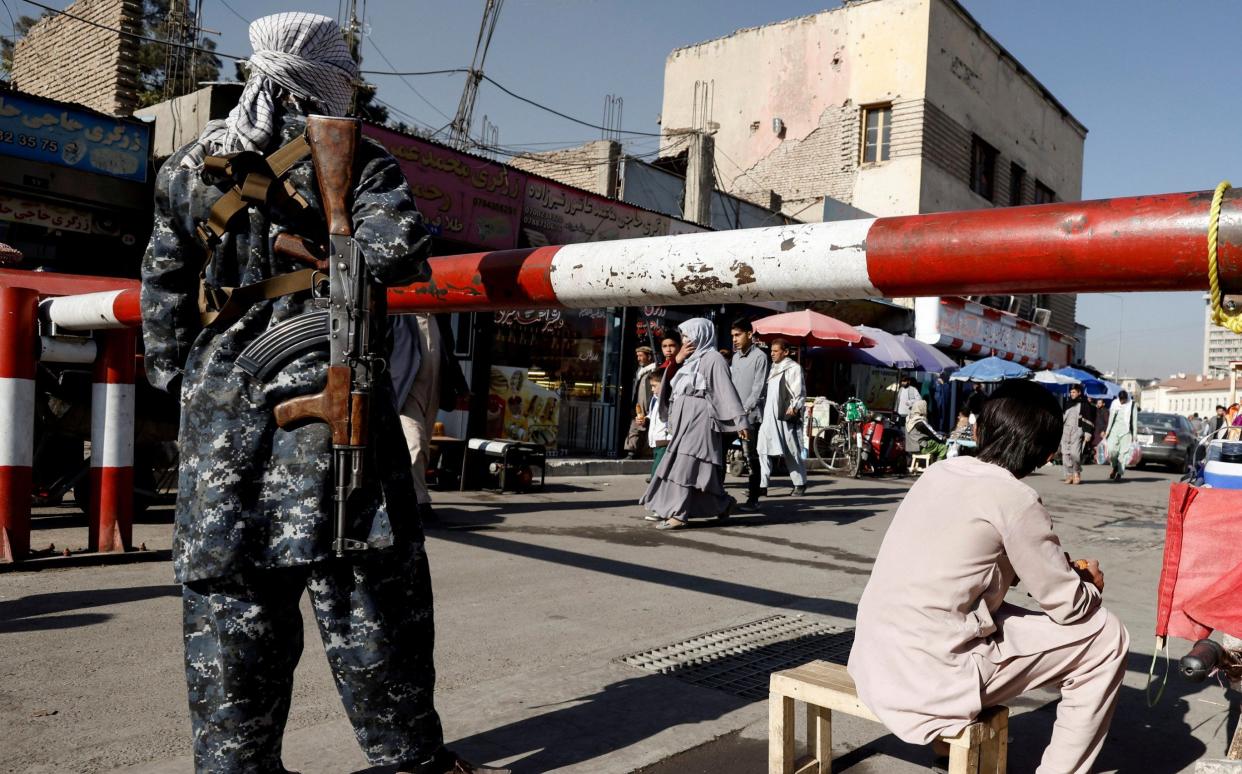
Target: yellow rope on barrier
[1219, 316]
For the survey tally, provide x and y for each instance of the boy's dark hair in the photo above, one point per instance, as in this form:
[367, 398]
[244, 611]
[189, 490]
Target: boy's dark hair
[1020, 427]
[743, 325]
[655, 375]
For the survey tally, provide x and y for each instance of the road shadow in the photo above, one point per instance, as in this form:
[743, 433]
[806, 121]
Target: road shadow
[679, 580]
[491, 512]
[587, 727]
[39, 612]
[1140, 740]
[1122, 482]
[58, 518]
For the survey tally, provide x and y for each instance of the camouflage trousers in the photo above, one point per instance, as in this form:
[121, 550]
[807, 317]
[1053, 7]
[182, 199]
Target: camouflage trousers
[243, 639]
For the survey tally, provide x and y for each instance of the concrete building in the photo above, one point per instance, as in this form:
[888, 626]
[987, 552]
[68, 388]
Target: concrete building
[1188, 395]
[1221, 346]
[890, 107]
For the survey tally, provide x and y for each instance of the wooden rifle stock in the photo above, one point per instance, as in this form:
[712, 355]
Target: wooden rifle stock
[333, 406]
[301, 250]
[333, 143]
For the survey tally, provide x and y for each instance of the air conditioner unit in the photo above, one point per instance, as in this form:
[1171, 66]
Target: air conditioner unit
[1041, 316]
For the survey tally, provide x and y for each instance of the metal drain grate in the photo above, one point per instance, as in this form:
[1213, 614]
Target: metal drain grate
[739, 660]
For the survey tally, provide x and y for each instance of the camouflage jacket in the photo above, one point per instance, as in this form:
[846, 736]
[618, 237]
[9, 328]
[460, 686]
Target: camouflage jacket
[251, 495]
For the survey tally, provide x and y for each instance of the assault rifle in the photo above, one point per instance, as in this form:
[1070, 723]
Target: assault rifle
[345, 324]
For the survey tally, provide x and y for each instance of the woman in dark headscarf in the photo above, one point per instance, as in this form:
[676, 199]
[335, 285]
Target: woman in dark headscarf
[699, 401]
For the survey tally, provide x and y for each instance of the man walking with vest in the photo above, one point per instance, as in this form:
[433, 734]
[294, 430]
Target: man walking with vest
[254, 527]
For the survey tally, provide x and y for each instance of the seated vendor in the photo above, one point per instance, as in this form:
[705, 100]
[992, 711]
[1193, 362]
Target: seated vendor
[936, 642]
[921, 437]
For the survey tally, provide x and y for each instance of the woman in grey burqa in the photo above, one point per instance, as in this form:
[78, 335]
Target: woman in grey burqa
[699, 402]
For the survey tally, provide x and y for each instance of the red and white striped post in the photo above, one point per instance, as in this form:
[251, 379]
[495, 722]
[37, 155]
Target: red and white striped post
[18, 339]
[111, 511]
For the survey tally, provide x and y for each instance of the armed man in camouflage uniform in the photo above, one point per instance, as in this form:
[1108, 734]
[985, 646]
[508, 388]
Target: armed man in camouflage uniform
[253, 525]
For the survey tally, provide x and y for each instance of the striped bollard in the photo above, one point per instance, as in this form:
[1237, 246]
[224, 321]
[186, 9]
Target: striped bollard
[111, 512]
[17, 403]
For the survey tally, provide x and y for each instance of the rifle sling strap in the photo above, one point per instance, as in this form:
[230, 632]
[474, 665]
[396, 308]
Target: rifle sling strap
[227, 305]
[257, 186]
[257, 174]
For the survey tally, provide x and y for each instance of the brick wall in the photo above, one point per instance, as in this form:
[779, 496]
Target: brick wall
[592, 167]
[66, 59]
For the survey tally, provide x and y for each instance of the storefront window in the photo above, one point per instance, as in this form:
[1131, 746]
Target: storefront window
[554, 378]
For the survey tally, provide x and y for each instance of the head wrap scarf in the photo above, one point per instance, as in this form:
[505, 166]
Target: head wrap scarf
[702, 334]
[303, 53]
[918, 413]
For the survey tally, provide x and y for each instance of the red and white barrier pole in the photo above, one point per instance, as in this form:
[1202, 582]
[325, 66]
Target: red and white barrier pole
[111, 511]
[94, 311]
[1145, 243]
[1142, 243]
[18, 340]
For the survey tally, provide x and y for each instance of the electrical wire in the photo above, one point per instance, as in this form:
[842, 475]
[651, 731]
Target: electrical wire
[401, 112]
[555, 112]
[135, 35]
[408, 85]
[412, 73]
[234, 11]
[12, 21]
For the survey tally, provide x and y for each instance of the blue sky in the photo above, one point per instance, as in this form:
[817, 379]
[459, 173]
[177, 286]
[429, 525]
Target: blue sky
[1151, 80]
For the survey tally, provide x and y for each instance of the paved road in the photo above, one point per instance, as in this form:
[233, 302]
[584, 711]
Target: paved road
[538, 597]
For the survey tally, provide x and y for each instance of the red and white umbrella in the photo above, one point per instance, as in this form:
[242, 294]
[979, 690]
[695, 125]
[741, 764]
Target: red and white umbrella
[811, 329]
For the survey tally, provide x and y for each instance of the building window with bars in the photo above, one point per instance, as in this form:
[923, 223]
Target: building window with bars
[982, 168]
[1017, 177]
[877, 130]
[1044, 194]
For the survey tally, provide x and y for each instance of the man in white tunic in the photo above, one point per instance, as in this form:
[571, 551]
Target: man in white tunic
[780, 433]
[936, 642]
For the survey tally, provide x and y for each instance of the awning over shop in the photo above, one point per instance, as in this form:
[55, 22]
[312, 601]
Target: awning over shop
[973, 329]
[991, 369]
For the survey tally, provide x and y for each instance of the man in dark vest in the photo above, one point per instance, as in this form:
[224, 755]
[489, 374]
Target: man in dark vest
[253, 528]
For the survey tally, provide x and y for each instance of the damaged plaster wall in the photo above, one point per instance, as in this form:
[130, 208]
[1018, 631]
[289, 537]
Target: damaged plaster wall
[814, 74]
[974, 87]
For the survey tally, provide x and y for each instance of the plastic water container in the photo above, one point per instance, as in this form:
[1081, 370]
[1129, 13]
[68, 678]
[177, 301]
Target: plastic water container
[1224, 465]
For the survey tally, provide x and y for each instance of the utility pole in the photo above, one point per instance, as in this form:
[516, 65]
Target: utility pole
[700, 178]
[353, 39]
[459, 132]
[181, 58]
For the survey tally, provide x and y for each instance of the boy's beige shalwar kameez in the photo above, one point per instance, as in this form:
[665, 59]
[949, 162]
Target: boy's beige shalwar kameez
[936, 642]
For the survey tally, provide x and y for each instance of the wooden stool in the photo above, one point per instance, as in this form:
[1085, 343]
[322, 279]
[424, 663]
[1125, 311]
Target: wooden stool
[919, 462]
[981, 747]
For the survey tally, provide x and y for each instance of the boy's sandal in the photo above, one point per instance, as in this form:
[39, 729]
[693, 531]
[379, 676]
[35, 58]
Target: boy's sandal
[671, 524]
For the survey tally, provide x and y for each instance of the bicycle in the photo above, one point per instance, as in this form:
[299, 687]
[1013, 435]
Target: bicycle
[838, 445]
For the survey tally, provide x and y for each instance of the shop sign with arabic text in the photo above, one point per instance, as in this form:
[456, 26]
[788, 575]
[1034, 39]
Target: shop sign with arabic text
[461, 197]
[74, 138]
[565, 216]
[51, 216]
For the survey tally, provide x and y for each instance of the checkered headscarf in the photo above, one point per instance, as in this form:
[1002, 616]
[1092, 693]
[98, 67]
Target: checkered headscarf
[302, 52]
